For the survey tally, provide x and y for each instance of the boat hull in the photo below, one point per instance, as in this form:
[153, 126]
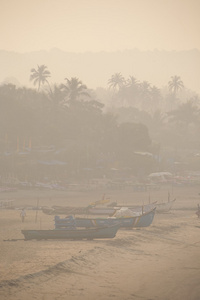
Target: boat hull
[164, 207]
[143, 220]
[111, 210]
[146, 219]
[93, 210]
[72, 234]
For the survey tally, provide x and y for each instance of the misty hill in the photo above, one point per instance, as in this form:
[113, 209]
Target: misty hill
[94, 69]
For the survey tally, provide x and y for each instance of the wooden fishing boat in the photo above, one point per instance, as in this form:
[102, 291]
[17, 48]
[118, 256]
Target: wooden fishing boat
[112, 210]
[101, 210]
[94, 210]
[164, 207]
[72, 234]
[139, 209]
[140, 220]
[55, 210]
[64, 210]
[146, 219]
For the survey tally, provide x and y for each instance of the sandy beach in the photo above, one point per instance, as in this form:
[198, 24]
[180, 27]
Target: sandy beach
[159, 262]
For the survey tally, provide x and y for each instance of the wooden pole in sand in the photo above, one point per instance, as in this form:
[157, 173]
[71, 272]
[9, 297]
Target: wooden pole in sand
[36, 214]
[149, 198]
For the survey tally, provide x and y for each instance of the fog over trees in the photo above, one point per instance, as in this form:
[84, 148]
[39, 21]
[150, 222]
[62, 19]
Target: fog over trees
[68, 131]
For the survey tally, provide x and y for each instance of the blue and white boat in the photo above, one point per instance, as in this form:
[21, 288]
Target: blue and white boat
[139, 220]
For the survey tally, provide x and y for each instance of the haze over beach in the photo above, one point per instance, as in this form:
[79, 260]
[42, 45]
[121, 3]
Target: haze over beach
[100, 110]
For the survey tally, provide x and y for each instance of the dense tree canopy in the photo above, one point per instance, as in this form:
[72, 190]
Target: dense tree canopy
[69, 123]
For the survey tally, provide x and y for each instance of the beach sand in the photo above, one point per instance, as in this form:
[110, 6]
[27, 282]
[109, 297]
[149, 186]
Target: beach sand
[158, 262]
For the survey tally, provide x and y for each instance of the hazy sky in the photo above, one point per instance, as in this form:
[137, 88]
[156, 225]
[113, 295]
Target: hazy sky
[99, 25]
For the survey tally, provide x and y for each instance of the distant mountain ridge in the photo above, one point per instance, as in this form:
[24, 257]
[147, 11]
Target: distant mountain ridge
[95, 68]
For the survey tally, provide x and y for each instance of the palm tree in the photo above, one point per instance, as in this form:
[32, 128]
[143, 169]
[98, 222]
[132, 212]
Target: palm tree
[145, 88]
[175, 84]
[40, 76]
[186, 113]
[156, 97]
[56, 95]
[74, 88]
[144, 94]
[131, 90]
[131, 82]
[116, 81]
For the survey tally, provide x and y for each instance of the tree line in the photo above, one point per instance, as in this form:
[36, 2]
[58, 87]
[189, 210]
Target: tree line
[72, 120]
